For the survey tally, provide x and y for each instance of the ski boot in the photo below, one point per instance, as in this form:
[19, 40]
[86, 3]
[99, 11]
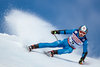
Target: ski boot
[32, 47]
[51, 53]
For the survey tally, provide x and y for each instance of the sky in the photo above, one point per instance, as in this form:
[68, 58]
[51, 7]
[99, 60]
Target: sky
[63, 14]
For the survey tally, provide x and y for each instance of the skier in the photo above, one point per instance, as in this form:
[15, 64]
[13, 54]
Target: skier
[77, 38]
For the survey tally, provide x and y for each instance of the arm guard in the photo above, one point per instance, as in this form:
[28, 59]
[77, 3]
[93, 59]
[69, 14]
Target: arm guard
[63, 31]
[85, 54]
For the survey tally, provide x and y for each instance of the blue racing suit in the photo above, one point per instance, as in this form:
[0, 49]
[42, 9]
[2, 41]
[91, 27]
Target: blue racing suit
[69, 43]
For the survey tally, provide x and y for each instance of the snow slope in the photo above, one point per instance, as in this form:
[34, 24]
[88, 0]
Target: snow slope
[30, 29]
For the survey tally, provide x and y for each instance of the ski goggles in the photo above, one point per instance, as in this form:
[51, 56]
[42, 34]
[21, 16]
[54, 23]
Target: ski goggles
[81, 32]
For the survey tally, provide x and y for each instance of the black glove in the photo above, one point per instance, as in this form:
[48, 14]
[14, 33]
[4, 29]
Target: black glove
[81, 60]
[55, 32]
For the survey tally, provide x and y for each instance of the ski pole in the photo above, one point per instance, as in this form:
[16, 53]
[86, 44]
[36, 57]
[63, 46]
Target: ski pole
[56, 37]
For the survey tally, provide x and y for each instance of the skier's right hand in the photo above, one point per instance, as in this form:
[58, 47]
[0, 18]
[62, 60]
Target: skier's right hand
[54, 32]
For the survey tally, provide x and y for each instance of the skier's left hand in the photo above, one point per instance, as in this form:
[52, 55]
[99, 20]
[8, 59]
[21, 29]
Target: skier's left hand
[81, 61]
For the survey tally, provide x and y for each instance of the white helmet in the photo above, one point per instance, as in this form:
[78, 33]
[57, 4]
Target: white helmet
[83, 28]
